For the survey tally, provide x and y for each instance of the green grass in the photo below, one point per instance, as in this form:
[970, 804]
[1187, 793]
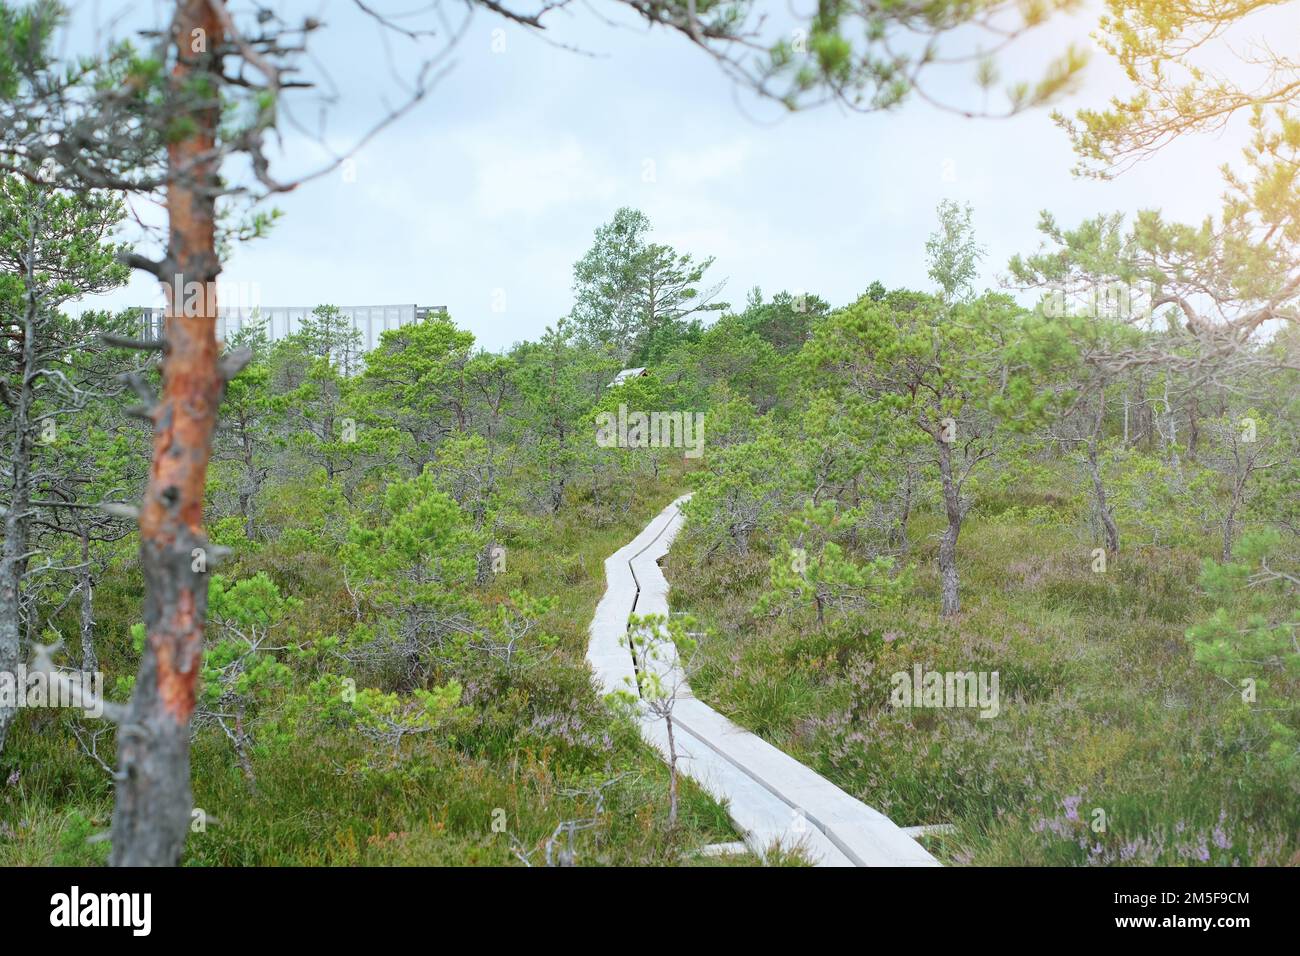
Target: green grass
[531, 754]
[1102, 706]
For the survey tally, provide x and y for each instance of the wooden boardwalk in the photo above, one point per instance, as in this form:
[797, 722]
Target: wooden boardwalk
[773, 799]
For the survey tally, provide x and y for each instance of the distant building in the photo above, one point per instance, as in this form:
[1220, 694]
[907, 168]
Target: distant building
[370, 321]
[627, 373]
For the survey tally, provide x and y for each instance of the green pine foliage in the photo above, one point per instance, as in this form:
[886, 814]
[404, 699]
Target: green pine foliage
[409, 544]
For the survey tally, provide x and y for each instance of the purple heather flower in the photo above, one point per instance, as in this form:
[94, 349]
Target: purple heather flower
[1071, 805]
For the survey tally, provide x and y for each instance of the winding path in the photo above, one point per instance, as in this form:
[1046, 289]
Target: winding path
[772, 798]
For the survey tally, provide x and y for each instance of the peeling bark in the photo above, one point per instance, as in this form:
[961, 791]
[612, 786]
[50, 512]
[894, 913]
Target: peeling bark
[152, 813]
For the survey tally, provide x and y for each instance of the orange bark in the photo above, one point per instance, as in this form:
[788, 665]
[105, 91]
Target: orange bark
[186, 414]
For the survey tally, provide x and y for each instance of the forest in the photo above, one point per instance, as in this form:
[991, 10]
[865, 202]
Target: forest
[1016, 566]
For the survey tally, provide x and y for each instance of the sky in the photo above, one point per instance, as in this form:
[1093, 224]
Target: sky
[482, 198]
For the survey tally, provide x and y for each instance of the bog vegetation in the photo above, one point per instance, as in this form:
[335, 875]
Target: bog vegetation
[359, 634]
[408, 545]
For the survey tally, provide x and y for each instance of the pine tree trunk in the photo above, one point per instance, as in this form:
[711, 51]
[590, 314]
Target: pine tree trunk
[898, 536]
[1230, 519]
[13, 552]
[1103, 508]
[152, 813]
[950, 583]
[249, 486]
[1098, 486]
[11, 583]
[85, 581]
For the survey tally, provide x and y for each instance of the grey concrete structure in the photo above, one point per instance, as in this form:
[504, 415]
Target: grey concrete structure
[773, 799]
[370, 321]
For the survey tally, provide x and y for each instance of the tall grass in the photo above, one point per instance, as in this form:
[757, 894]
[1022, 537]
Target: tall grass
[492, 791]
[1112, 745]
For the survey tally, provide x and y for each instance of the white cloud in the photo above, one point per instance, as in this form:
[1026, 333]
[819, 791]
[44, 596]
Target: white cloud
[724, 161]
[499, 180]
[521, 178]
